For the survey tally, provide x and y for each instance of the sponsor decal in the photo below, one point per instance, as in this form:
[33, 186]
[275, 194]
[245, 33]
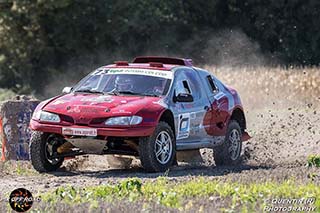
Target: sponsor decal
[148, 72]
[184, 126]
[79, 131]
[100, 99]
[226, 93]
[121, 111]
[57, 102]
[84, 109]
[75, 109]
[98, 71]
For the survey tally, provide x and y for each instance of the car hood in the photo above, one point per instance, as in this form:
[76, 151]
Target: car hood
[88, 106]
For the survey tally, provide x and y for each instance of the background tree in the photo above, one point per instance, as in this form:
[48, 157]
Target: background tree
[44, 38]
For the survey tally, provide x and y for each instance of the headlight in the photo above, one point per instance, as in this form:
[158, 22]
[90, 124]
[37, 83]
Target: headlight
[46, 116]
[124, 120]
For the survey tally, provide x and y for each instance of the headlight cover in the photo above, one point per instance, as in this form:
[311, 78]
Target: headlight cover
[123, 120]
[46, 116]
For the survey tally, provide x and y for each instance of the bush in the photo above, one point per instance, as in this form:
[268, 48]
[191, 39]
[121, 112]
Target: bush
[6, 94]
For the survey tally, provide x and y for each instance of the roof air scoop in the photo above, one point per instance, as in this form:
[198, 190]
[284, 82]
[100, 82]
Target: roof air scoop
[164, 60]
[121, 63]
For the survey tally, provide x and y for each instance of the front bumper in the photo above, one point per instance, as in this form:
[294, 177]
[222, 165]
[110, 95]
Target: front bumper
[105, 131]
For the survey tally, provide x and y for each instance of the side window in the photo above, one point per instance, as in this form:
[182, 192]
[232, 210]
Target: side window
[212, 85]
[183, 87]
[194, 82]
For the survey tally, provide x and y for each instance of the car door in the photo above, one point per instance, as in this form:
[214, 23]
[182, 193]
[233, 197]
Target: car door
[189, 116]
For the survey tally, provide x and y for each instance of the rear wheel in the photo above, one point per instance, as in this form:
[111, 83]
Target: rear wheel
[157, 152]
[229, 153]
[42, 147]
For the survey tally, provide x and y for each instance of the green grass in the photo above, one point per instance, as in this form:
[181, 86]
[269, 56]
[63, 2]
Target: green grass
[313, 160]
[242, 196]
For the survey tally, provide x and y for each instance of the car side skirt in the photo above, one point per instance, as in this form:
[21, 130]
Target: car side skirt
[198, 144]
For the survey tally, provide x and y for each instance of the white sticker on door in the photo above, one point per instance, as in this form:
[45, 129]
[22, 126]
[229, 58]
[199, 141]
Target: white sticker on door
[184, 126]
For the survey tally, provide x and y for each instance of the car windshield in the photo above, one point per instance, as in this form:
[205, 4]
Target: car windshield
[118, 81]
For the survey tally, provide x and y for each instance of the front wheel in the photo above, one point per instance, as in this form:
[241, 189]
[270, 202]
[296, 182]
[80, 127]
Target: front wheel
[42, 147]
[229, 153]
[157, 152]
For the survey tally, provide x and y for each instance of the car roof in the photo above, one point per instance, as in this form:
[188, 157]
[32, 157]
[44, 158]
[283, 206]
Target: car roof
[152, 62]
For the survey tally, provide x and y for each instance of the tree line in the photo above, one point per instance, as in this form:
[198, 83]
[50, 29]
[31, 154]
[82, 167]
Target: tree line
[42, 38]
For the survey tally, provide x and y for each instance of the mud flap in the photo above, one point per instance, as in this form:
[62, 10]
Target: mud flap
[245, 136]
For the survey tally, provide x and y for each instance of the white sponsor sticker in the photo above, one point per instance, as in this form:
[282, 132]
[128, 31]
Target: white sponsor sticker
[79, 131]
[135, 71]
[184, 126]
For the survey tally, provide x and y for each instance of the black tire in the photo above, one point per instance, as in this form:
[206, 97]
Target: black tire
[222, 155]
[147, 149]
[38, 156]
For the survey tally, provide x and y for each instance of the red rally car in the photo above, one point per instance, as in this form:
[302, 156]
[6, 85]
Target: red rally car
[150, 108]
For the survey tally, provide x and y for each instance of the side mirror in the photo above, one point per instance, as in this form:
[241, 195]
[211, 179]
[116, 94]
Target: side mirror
[67, 90]
[184, 97]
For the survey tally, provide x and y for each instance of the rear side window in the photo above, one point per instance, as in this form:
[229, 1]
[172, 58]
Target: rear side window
[212, 85]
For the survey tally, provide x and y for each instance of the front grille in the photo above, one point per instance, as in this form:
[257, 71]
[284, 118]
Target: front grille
[67, 119]
[82, 124]
[98, 120]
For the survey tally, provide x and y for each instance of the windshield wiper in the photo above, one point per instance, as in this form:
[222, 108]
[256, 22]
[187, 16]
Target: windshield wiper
[89, 91]
[128, 92]
[151, 95]
[137, 93]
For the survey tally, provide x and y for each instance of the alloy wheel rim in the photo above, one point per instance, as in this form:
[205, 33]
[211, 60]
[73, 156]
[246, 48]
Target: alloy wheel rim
[235, 142]
[163, 147]
[51, 144]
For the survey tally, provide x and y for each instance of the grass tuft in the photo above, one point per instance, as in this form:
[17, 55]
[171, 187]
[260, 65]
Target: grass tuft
[313, 160]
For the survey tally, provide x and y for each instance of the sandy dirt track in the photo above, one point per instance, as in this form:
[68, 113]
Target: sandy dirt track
[283, 119]
[276, 152]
